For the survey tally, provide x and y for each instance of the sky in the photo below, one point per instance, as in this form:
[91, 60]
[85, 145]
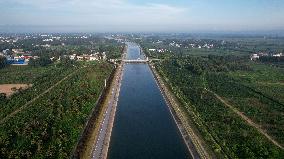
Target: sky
[143, 15]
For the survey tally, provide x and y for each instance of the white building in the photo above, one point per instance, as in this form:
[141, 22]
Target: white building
[278, 55]
[254, 57]
[72, 57]
[94, 58]
[45, 40]
[80, 58]
[104, 57]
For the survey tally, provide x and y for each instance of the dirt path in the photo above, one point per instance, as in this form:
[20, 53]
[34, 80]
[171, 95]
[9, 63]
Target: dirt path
[8, 88]
[245, 118]
[271, 83]
[34, 99]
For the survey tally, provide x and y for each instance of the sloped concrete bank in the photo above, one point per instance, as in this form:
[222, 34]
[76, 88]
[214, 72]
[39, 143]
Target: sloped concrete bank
[190, 138]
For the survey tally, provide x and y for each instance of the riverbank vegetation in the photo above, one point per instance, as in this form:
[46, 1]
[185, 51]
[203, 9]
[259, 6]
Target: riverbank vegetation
[51, 125]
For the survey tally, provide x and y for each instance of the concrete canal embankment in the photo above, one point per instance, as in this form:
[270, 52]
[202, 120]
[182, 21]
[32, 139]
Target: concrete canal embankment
[137, 118]
[144, 126]
[95, 138]
[102, 140]
[101, 144]
[190, 138]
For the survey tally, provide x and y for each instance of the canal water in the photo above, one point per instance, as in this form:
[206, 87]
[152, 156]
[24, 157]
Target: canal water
[143, 126]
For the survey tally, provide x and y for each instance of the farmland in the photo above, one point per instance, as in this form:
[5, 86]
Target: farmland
[21, 74]
[197, 80]
[41, 81]
[51, 124]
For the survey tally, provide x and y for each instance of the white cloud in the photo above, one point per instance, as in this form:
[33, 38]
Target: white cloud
[123, 15]
[100, 13]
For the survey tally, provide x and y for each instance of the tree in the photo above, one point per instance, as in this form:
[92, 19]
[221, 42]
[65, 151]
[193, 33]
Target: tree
[2, 96]
[3, 62]
[43, 61]
[66, 61]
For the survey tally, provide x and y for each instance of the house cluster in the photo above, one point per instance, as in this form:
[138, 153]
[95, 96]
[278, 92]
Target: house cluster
[92, 57]
[192, 45]
[51, 38]
[17, 56]
[207, 46]
[8, 39]
[20, 57]
[159, 50]
[175, 44]
[256, 56]
[158, 42]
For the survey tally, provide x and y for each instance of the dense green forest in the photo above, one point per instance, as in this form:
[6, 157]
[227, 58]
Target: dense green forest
[3, 62]
[193, 79]
[43, 61]
[50, 126]
[23, 74]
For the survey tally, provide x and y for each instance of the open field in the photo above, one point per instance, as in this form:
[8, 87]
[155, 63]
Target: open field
[9, 89]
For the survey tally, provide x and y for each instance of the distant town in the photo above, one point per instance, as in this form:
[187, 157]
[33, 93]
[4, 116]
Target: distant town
[21, 49]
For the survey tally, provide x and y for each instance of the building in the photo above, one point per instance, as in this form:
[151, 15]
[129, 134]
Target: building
[277, 55]
[254, 57]
[5, 52]
[104, 57]
[80, 58]
[18, 51]
[93, 58]
[73, 57]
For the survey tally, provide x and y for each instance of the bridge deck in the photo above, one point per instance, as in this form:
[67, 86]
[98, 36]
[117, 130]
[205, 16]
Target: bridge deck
[135, 61]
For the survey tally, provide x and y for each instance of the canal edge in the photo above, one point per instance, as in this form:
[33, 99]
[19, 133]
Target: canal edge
[112, 119]
[91, 121]
[188, 135]
[105, 148]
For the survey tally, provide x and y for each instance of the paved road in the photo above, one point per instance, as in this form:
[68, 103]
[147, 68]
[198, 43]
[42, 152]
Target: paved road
[102, 138]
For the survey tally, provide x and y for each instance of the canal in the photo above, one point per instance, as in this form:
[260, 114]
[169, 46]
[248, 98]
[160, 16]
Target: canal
[143, 126]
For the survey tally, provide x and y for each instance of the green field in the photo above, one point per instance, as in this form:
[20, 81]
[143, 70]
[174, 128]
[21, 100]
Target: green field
[42, 78]
[238, 82]
[22, 74]
[50, 126]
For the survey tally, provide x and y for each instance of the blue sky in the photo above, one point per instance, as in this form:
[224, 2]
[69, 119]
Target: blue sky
[146, 15]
